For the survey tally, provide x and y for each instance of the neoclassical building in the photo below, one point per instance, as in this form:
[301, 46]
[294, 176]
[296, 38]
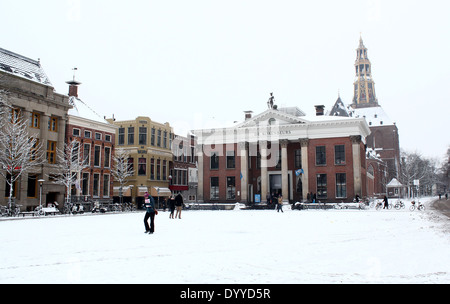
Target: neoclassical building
[32, 96]
[283, 151]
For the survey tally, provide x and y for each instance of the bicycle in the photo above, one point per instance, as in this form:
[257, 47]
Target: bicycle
[379, 205]
[419, 207]
[12, 210]
[399, 205]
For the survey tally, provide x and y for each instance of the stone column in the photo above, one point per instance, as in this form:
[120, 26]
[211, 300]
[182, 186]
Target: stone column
[305, 178]
[356, 150]
[284, 171]
[244, 171]
[264, 175]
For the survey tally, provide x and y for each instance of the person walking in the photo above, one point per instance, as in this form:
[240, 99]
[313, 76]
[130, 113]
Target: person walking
[178, 205]
[150, 214]
[386, 204]
[280, 204]
[171, 206]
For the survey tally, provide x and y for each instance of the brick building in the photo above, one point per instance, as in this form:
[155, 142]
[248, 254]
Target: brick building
[282, 151]
[96, 139]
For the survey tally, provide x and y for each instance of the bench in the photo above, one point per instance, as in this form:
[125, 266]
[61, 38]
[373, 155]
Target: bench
[27, 213]
[50, 210]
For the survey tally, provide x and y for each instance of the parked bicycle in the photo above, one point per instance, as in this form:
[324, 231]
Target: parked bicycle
[399, 205]
[419, 206]
[12, 210]
[379, 205]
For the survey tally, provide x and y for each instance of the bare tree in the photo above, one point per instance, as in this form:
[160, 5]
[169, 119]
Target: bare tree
[417, 167]
[19, 152]
[68, 166]
[122, 169]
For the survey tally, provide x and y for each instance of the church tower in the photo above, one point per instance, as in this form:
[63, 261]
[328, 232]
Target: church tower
[364, 86]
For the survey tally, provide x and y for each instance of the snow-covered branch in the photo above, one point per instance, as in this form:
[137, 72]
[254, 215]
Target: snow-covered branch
[19, 152]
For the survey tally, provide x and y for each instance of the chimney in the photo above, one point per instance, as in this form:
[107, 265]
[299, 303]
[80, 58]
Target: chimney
[248, 114]
[320, 110]
[73, 87]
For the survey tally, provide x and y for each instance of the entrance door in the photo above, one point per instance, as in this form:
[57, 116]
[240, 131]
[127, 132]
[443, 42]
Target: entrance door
[275, 184]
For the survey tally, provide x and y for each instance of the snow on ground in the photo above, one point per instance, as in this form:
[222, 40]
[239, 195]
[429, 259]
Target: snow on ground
[309, 246]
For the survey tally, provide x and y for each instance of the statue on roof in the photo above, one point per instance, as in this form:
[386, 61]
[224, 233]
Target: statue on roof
[270, 102]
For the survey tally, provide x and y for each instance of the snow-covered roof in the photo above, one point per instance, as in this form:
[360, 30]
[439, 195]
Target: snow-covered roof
[22, 66]
[81, 109]
[394, 183]
[375, 116]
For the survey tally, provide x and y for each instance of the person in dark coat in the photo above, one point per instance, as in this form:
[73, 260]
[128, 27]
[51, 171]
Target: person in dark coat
[386, 204]
[178, 205]
[171, 206]
[149, 214]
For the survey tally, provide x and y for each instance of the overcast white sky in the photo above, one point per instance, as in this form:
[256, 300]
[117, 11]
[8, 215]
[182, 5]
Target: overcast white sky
[197, 62]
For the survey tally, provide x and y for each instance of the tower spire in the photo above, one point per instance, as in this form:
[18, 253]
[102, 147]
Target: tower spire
[364, 86]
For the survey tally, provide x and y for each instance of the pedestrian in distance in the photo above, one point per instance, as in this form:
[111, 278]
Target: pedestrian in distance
[171, 206]
[386, 204]
[280, 204]
[150, 214]
[178, 205]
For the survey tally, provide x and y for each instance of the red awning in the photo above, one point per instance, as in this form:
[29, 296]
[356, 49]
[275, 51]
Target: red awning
[178, 188]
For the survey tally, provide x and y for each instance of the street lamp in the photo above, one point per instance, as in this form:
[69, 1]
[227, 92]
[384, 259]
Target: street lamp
[41, 181]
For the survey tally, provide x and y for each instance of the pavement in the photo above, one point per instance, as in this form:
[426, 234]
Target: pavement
[442, 205]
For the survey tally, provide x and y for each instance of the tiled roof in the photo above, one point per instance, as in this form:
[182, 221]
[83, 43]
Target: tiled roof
[22, 66]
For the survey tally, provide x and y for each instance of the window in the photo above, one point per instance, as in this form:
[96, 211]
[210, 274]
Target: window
[298, 159]
[53, 124]
[214, 160]
[321, 186]
[158, 169]
[341, 185]
[165, 140]
[76, 132]
[143, 136]
[158, 143]
[108, 138]
[106, 185]
[51, 152]
[164, 169]
[107, 157]
[214, 188]
[152, 140]
[97, 156]
[230, 160]
[32, 186]
[321, 158]
[98, 136]
[87, 154]
[142, 165]
[131, 164]
[85, 184]
[339, 154]
[231, 187]
[35, 120]
[152, 168]
[131, 135]
[34, 149]
[87, 134]
[121, 136]
[96, 185]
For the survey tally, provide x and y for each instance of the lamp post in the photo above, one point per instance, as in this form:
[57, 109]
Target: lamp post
[41, 181]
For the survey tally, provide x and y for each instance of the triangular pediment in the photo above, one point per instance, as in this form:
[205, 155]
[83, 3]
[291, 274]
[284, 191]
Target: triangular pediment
[271, 117]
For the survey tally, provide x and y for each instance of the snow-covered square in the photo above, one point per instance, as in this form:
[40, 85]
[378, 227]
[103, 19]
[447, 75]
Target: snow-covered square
[241, 246]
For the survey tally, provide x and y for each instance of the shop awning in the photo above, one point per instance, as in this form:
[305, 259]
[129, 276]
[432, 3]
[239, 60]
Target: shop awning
[142, 190]
[160, 191]
[126, 191]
